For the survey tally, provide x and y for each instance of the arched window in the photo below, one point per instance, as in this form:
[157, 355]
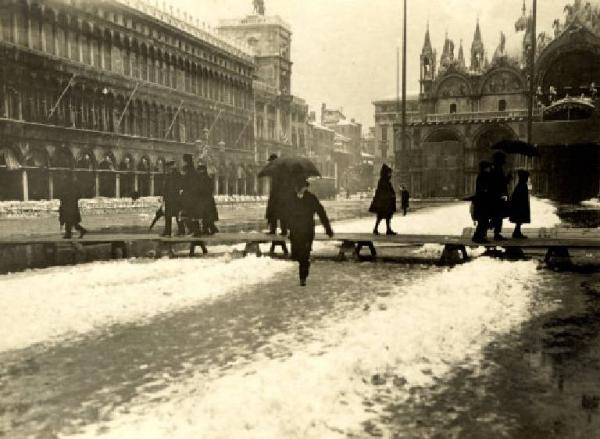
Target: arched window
[502, 105]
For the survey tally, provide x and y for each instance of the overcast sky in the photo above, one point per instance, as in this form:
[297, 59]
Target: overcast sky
[344, 51]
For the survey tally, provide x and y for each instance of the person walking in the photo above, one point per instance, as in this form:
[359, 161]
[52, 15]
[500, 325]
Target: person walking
[482, 211]
[520, 212]
[172, 199]
[190, 196]
[303, 208]
[209, 214]
[405, 199]
[68, 211]
[276, 203]
[384, 201]
[499, 194]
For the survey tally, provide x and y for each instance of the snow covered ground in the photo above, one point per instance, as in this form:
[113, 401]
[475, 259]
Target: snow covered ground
[410, 340]
[344, 372]
[62, 302]
[51, 304]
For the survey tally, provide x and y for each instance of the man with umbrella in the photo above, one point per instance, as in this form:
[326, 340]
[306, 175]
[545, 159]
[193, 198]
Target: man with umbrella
[276, 203]
[300, 207]
[172, 199]
[303, 208]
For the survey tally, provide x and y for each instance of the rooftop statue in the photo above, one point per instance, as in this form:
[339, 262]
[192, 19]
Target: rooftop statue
[259, 7]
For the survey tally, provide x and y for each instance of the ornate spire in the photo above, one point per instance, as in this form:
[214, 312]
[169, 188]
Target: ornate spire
[448, 53]
[477, 50]
[427, 48]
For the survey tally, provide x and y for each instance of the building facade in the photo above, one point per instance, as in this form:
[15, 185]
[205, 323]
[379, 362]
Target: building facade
[281, 119]
[114, 89]
[463, 110]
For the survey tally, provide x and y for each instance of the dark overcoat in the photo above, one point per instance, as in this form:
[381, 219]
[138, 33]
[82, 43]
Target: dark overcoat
[301, 220]
[171, 194]
[498, 189]
[482, 201]
[206, 199]
[405, 199]
[520, 212]
[384, 201]
[68, 211]
[190, 186]
[278, 202]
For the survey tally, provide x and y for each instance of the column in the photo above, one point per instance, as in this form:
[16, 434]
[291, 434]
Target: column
[136, 182]
[50, 185]
[255, 189]
[226, 188]
[43, 27]
[118, 185]
[25, 184]
[237, 186]
[216, 184]
[245, 186]
[151, 185]
[97, 183]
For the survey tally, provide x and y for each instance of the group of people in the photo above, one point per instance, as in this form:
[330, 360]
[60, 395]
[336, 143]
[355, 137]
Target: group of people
[492, 203]
[188, 197]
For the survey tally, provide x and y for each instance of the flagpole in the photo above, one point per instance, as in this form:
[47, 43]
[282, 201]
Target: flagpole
[174, 119]
[242, 132]
[137, 84]
[69, 84]
[403, 131]
[532, 73]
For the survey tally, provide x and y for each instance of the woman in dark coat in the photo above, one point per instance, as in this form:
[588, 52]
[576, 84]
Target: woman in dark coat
[520, 212]
[303, 207]
[384, 202]
[68, 211]
[209, 213]
[482, 202]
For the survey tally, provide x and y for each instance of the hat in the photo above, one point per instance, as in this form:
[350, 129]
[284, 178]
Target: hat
[272, 157]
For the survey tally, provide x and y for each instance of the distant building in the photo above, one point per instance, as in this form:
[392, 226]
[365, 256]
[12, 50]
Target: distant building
[280, 122]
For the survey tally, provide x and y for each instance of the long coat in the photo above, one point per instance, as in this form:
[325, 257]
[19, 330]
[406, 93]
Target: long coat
[68, 211]
[278, 201]
[482, 201]
[190, 185]
[206, 199]
[384, 202]
[498, 189]
[405, 197]
[520, 212]
[171, 195]
[302, 220]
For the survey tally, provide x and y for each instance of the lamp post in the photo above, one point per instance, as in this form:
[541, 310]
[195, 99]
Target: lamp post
[532, 73]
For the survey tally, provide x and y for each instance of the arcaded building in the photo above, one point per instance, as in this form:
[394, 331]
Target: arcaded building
[114, 89]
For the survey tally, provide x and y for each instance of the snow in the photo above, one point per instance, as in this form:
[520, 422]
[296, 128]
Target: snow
[413, 338]
[50, 305]
[594, 202]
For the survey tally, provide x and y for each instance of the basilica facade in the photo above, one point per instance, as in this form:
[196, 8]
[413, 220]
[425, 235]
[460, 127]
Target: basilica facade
[466, 104]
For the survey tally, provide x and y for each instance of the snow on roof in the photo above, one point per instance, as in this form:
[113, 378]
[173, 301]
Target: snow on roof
[320, 127]
[347, 122]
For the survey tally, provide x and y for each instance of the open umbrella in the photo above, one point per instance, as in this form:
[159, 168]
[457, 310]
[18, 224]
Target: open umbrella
[516, 147]
[286, 166]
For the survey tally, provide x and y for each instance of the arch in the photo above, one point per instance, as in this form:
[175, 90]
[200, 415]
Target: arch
[10, 157]
[453, 85]
[444, 134]
[107, 162]
[127, 163]
[489, 135]
[62, 158]
[85, 160]
[144, 164]
[37, 157]
[503, 80]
